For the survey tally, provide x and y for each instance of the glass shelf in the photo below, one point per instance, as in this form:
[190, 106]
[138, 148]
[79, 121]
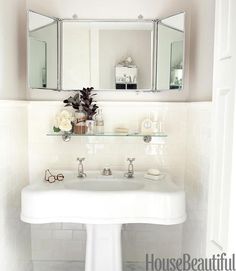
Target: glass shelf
[109, 134]
[146, 138]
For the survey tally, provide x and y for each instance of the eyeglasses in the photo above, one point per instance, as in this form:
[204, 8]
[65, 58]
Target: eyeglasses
[49, 177]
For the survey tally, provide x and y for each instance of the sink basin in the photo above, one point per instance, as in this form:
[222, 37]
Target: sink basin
[114, 185]
[104, 204]
[104, 200]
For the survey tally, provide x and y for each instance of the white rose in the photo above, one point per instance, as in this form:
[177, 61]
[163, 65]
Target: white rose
[65, 114]
[72, 118]
[65, 125]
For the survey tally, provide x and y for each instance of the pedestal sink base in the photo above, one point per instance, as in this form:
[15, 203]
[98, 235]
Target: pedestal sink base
[103, 248]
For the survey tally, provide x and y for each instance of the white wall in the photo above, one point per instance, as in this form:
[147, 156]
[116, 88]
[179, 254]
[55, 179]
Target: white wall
[201, 50]
[44, 150]
[198, 156]
[15, 246]
[199, 31]
[66, 242]
[13, 49]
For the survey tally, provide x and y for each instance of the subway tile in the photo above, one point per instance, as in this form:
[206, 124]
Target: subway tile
[79, 235]
[72, 226]
[47, 226]
[41, 234]
[62, 234]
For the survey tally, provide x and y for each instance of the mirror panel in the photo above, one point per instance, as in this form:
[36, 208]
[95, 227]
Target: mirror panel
[107, 55]
[118, 55]
[42, 51]
[170, 53]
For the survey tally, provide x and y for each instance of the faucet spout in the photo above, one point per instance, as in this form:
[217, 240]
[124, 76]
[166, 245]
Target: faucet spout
[81, 173]
[130, 172]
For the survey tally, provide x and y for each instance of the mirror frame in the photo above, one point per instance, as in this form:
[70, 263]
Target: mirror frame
[155, 23]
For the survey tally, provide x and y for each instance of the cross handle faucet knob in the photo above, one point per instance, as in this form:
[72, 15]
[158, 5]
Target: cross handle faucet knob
[81, 173]
[80, 159]
[131, 160]
[130, 172]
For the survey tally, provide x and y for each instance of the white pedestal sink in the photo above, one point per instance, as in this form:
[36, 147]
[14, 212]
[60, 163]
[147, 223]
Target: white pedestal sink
[103, 248]
[104, 204]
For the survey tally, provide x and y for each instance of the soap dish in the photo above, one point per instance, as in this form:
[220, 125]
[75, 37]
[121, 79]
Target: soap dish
[154, 177]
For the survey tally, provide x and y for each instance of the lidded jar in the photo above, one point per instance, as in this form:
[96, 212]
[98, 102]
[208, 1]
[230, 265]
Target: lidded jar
[80, 121]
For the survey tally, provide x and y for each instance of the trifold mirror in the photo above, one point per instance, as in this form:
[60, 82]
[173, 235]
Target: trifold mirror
[118, 55]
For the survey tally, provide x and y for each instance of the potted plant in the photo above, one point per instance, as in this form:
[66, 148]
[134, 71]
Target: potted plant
[89, 107]
[88, 103]
[84, 104]
[80, 117]
[73, 101]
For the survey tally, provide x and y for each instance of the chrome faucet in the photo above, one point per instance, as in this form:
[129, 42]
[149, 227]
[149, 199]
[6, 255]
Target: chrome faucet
[130, 173]
[81, 173]
[106, 171]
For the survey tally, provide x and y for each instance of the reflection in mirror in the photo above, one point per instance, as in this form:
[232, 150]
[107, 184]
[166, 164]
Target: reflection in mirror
[107, 55]
[42, 53]
[170, 59]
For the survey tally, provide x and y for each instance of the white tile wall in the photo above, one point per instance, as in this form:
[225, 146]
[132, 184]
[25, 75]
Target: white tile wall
[66, 242]
[185, 156]
[52, 152]
[15, 248]
[197, 177]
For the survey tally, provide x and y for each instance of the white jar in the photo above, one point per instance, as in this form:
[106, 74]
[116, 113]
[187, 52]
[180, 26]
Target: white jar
[99, 122]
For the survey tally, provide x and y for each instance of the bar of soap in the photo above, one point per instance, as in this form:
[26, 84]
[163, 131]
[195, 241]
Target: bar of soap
[153, 172]
[121, 130]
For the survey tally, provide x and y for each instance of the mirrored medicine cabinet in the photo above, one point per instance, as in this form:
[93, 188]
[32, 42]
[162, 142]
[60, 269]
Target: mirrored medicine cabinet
[114, 55]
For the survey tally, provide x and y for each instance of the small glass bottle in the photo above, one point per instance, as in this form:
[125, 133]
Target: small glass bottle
[99, 122]
[156, 124]
[90, 126]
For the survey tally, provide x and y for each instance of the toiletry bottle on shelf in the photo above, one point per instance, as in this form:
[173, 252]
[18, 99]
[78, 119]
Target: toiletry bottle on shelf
[80, 115]
[80, 118]
[156, 124]
[99, 122]
[90, 127]
[147, 126]
[161, 129]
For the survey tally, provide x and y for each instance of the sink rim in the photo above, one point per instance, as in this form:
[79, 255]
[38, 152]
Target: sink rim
[112, 185]
[157, 202]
